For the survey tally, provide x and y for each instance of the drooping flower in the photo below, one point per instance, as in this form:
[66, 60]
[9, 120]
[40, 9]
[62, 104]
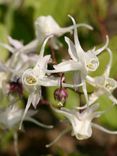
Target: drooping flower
[46, 25]
[81, 122]
[10, 117]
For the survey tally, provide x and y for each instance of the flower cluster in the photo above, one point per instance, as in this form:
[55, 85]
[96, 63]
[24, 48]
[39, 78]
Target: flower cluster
[26, 71]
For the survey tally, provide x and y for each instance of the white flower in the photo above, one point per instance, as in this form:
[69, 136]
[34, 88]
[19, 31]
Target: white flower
[81, 122]
[11, 116]
[46, 25]
[20, 58]
[80, 60]
[34, 78]
[104, 84]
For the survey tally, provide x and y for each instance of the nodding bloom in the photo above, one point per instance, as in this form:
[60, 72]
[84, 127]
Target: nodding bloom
[46, 25]
[10, 117]
[80, 60]
[103, 84]
[81, 122]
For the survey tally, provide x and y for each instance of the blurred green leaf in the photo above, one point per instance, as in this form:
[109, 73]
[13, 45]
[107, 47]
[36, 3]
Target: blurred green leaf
[3, 38]
[59, 9]
[110, 117]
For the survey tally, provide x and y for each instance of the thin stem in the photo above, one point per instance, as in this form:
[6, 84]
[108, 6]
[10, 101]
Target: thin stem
[16, 144]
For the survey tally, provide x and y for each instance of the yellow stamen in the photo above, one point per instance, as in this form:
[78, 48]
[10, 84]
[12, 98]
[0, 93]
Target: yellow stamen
[31, 80]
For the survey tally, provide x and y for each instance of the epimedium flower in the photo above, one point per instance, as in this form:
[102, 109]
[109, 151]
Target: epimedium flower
[21, 55]
[18, 61]
[103, 84]
[10, 118]
[46, 25]
[82, 61]
[34, 78]
[81, 122]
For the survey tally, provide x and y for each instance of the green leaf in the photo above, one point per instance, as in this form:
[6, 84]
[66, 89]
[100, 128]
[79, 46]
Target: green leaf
[3, 38]
[110, 117]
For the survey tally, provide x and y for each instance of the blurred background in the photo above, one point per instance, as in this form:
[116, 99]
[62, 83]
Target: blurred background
[17, 20]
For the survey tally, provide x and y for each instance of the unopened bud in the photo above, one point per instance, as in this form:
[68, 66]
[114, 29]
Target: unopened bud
[61, 95]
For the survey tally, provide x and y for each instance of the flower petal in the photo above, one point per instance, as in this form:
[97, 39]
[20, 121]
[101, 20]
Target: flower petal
[80, 51]
[97, 52]
[71, 49]
[103, 129]
[67, 66]
[15, 43]
[108, 67]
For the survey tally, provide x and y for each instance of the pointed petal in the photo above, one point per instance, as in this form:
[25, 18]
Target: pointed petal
[38, 123]
[15, 43]
[71, 49]
[30, 99]
[108, 67]
[43, 45]
[103, 129]
[80, 51]
[36, 96]
[58, 137]
[97, 52]
[70, 28]
[42, 63]
[48, 82]
[67, 66]
[8, 47]
[30, 47]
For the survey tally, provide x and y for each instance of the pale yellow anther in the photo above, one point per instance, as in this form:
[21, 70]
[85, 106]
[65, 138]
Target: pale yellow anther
[30, 80]
[90, 66]
[108, 85]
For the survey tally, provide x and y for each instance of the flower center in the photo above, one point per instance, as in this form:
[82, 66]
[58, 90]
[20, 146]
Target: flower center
[31, 80]
[92, 65]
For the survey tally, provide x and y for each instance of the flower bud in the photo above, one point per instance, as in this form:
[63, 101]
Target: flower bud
[61, 94]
